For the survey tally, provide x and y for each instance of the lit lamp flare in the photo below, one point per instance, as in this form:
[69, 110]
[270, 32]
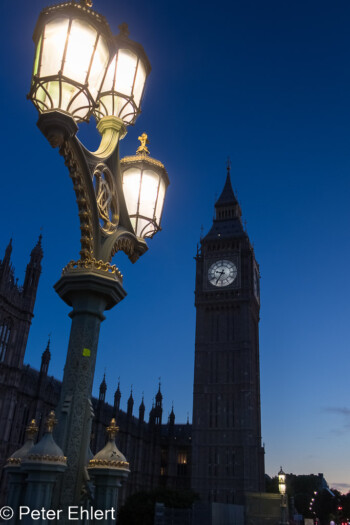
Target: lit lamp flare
[145, 182]
[282, 482]
[73, 48]
[124, 81]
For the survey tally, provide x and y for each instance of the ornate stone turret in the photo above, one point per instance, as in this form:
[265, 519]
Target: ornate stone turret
[158, 411]
[142, 409]
[15, 473]
[152, 415]
[103, 389]
[117, 396]
[5, 266]
[42, 465]
[45, 360]
[109, 469]
[16, 307]
[171, 421]
[130, 404]
[33, 272]
[31, 433]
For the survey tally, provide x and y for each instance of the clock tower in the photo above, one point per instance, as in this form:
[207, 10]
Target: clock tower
[227, 458]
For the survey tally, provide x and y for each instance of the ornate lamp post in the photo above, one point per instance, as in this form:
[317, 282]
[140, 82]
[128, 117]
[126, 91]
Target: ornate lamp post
[282, 490]
[81, 69]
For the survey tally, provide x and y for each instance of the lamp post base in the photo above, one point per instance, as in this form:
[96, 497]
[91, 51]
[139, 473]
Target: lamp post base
[90, 292]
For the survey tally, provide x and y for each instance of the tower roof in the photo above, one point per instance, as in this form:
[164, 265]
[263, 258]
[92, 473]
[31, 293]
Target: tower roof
[227, 196]
[103, 385]
[46, 355]
[37, 251]
[131, 399]
[117, 393]
[159, 396]
[142, 405]
[227, 222]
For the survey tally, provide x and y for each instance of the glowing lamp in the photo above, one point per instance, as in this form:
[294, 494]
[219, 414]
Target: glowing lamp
[124, 81]
[282, 482]
[73, 49]
[145, 182]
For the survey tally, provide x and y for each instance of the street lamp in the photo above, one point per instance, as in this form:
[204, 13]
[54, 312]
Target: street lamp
[80, 70]
[282, 490]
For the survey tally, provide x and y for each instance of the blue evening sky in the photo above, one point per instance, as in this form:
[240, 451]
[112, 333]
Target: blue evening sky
[268, 84]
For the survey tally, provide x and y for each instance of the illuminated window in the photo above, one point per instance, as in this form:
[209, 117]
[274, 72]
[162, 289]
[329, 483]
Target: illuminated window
[182, 463]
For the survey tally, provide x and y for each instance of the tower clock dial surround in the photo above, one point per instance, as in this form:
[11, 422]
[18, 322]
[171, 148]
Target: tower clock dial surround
[222, 273]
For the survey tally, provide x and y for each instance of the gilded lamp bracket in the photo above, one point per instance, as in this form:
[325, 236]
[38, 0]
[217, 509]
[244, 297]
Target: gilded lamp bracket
[104, 221]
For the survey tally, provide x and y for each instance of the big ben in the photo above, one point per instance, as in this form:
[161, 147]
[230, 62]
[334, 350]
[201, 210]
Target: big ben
[227, 455]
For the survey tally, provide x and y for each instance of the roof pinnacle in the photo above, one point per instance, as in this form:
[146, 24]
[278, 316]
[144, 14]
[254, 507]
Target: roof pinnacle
[51, 422]
[112, 430]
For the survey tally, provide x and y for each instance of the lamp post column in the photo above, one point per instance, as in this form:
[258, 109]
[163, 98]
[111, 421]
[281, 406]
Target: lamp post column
[90, 292]
[282, 490]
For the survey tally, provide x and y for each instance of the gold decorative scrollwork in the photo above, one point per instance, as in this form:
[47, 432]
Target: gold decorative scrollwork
[93, 264]
[106, 198]
[76, 175]
[96, 463]
[46, 457]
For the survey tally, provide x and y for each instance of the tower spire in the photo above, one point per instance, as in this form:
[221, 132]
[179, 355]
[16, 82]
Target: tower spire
[228, 165]
[103, 388]
[45, 359]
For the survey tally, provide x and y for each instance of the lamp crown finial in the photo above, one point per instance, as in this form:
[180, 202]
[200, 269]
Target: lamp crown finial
[124, 29]
[143, 148]
[112, 430]
[32, 429]
[86, 3]
[51, 422]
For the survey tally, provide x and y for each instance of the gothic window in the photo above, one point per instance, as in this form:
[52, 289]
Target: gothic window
[5, 332]
[182, 463]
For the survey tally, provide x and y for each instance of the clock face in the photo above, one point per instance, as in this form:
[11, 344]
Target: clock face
[222, 273]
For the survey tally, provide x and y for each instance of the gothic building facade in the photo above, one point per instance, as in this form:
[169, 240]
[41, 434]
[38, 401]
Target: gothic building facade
[220, 456]
[160, 454]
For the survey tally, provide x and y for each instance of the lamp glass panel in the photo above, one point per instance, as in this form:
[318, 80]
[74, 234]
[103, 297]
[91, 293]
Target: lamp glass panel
[37, 56]
[126, 66]
[79, 106]
[160, 201]
[81, 42]
[54, 42]
[144, 227]
[98, 66]
[127, 112]
[148, 194]
[108, 83]
[131, 188]
[139, 83]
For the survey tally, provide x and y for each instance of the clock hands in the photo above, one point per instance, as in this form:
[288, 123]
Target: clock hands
[222, 272]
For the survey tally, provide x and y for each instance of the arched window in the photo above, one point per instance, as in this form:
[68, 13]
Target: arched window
[5, 332]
